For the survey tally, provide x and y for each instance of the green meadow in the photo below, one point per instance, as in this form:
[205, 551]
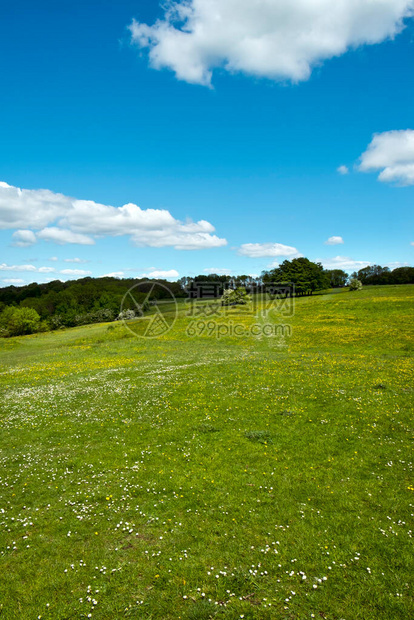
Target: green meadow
[205, 474]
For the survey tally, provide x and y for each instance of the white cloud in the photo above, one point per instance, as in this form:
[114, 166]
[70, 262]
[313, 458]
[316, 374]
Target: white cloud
[13, 281]
[53, 258]
[66, 220]
[31, 268]
[63, 235]
[75, 260]
[343, 170]
[75, 272]
[396, 264]
[392, 152]
[30, 208]
[114, 274]
[259, 250]
[159, 273]
[23, 238]
[46, 270]
[150, 227]
[277, 39]
[334, 241]
[181, 237]
[220, 271]
[5, 267]
[343, 262]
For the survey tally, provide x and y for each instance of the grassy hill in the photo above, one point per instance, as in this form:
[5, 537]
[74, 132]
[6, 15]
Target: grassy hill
[203, 475]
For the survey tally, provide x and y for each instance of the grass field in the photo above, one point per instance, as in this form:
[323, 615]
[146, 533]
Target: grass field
[202, 477]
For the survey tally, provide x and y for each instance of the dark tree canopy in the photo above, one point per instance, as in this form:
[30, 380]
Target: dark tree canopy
[337, 277]
[303, 273]
[78, 302]
[375, 274]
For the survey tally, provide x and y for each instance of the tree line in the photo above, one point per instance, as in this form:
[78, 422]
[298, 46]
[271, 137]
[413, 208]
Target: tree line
[375, 274]
[40, 307]
[309, 277]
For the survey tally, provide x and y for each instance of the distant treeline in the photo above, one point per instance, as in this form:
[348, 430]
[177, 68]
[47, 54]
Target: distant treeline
[309, 277]
[40, 307]
[37, 307]
[383, 275]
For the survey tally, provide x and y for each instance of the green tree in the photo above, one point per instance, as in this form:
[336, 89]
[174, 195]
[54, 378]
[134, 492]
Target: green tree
[373, 274]
[303, 273]
[20, 321]
[337, 277]
[402, 275]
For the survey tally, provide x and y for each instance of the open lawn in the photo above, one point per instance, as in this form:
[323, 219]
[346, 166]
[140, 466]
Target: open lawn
[212, 477]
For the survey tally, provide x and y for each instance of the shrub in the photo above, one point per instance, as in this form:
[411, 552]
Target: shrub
[102, 315]
[126, 315]
[233, 297]
[20, 321]
[355, 285]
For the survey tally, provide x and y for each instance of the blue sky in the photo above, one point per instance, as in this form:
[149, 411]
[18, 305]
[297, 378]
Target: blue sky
[230, 153]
